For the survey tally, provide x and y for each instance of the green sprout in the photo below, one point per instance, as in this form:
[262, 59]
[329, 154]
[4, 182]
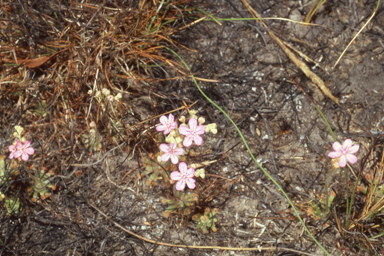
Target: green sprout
[155, 169]
[182, 201]
[13, 205]
[92, 140]
[41, 183]
[41, 109]
[320, 210]
[206, 221]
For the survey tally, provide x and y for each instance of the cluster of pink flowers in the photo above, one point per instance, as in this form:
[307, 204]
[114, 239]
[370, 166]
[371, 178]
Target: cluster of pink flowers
[171, 151]
[22, 150]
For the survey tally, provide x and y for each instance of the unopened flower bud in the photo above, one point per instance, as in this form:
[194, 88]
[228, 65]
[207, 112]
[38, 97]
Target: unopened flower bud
[92, 124]
[118, 96]
[158, 158]
[182, 119]
[110, 98]
[90, 92]
[207, 129]
[201, 120]
[335, 163]
[97, 94]
[214, 131]
[173, 133]
[105, 91]
[22, 140]
[192, 112]
[178, 140]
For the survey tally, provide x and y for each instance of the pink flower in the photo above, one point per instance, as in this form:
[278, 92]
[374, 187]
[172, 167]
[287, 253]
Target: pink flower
[13, 149]
[345, 152]
[192, 133]
[184, 176]
[171, 152]
[23, 150]
[168, 124]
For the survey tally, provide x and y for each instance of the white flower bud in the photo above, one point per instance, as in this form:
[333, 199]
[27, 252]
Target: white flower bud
[159, 159]
[105, 91]
[182, 119]
[206, 128]
[97, 94]
[201, 120]
[178, 140]
[118, 96]
[214, 131]
[90, 92]
[168, 138]
[173, 133]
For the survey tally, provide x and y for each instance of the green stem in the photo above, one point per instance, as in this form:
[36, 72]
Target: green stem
[250, 152]
[348, 206]
[326, 189]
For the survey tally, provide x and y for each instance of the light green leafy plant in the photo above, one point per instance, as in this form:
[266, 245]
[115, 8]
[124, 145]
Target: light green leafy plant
[206, 221]
[13, 205]
[182, 201]
[40, 185]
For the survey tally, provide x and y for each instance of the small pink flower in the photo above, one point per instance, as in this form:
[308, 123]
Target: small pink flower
[345, 152]
[110, 98]
[171, 151]
[185, 176]
[192, 133]
[13, 149]
[23, 150]
[168, 124]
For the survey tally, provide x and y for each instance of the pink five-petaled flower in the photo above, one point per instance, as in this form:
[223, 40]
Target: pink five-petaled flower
[23, 150]
[192, 133]
[185, 176]
[13, 149]
[171, 151]
[168, 124]
[345, 152]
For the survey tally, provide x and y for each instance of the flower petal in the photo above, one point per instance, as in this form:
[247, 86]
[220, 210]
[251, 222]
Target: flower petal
[26, 144]
[163, 120]
[12, 148]
[171, 118]
[173, 126]
[17, 154]
[354, 149]
[19, 145]
[334, 154]
[178, 151]
[200, 130]
[11, 155]
[198, 140]
[174, 159]
[172, 146]
[183, 168]
[160, 128]
[336, 146]
[25, 157]
[347, 143]
[191, 183]
[184, 130]
[164, 147]
[165, 157]
[187, 141]
[351, 158]
[180, 185]
[166, 131]
[29, 151]
[342, 161]
[190, 172]
[175, 175]
[192, 124]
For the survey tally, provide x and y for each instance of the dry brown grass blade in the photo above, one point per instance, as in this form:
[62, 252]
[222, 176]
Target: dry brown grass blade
[300, 64]
[34, 63]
